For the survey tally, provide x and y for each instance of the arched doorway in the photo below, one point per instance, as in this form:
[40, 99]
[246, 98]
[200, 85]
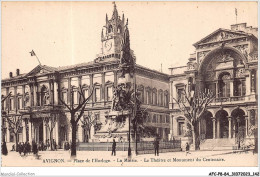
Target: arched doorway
[238, 123]
[222, 124]
[206, 125]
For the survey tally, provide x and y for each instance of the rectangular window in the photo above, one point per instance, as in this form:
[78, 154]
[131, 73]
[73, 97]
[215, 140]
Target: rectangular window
[11, 102]
[85, 92]
[161, 119]
[97, 94]
[19, 103]
[64, 97]
[180, 92]
[109, 93]
[167, 119]
[181, 128]
[243, 88]
[75, 97]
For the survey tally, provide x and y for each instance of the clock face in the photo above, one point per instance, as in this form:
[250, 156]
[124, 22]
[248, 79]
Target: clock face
[108, 45]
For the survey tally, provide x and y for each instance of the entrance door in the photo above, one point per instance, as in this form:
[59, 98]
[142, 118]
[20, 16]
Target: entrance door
[209, 128]
[41, 132]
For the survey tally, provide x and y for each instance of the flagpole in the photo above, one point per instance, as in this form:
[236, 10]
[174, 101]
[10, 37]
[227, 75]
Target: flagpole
[38, 59]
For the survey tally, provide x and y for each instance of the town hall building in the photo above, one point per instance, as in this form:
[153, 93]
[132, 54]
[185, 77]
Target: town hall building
[35, 96]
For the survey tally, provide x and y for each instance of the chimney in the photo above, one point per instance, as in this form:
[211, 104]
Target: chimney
[10, 74]
[17, 72]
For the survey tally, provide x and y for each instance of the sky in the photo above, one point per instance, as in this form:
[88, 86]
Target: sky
[66, 33]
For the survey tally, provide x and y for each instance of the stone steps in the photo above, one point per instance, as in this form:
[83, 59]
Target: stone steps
[218, 144]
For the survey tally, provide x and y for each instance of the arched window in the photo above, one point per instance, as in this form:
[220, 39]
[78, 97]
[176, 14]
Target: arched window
[26, 99]
[166, 100]
[160, 98]
[148, 96]
[140, 90]
[239, 88]
[154, 96]
[224, 85]
[44, 96]
[110, 29]
[119, 29]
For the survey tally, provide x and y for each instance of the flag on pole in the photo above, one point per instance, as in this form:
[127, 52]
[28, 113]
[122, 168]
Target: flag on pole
[32, 53]
[236, 11]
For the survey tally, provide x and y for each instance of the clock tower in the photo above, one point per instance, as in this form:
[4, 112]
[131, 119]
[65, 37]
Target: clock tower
[112, 35]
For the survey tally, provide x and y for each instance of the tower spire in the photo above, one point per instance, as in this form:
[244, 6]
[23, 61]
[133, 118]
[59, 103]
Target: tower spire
[115, 13]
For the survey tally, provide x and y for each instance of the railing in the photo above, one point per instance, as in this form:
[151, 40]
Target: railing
[142, 147]
[229, 99]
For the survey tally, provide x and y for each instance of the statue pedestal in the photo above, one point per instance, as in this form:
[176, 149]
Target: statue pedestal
[116, 127]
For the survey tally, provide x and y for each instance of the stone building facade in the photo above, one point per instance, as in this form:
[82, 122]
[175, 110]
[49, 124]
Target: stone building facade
[226, 63]
[35, 95]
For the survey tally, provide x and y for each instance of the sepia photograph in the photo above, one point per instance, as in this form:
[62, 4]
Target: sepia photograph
[129, 84]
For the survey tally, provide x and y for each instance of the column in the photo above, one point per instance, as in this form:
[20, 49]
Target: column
[246, 123]
[217, 91]
[15, 98]
[7, 133]
[31, 95]
[115, 78]
[56, 131]
[218, 128]
[55, 90]
[248, 84]
[231, 88]
[91, 87]
[170, 105]
[35, 95]
[44, 132]
[23, 98]
[30, 131]
[24, 131]
[229, 127]
[103, 87]
[50, 92]
[249, 121]
[214, 128]
[69, 92]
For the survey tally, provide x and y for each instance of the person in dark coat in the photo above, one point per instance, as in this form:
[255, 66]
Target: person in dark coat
[4, 148]
[20, 148]
[187, 148]
[114, 147]
[25, 148]
[156, 147]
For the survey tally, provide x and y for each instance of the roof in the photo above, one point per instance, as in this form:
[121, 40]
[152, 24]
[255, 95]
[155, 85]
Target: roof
[221, 29]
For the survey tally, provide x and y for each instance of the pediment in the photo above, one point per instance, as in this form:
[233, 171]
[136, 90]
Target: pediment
[220, 35]
[41, 69]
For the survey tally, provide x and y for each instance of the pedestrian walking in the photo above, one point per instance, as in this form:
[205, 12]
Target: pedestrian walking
[156, 147]
[114, 147]
[4, 148]
[187, 148]
[20, 148]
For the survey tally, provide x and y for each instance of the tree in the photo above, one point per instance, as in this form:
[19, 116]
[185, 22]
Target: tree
[4, 114]
[73, 109]
[15, 125]
[192, 107]
[50, 123]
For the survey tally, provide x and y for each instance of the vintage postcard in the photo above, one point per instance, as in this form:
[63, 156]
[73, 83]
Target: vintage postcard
[129, 84]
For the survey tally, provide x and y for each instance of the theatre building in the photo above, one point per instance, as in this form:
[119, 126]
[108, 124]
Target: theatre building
[226, 63]
[35, 95]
